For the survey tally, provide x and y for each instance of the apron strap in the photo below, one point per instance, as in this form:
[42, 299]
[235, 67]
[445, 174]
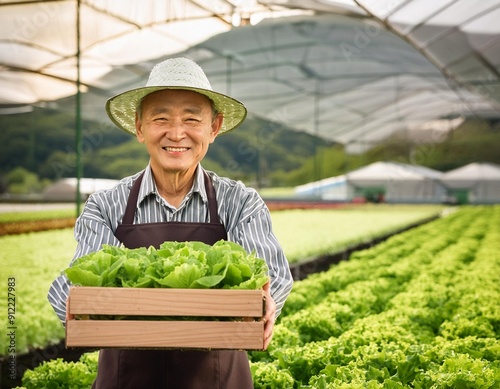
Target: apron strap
[212, 200]
[128, 217]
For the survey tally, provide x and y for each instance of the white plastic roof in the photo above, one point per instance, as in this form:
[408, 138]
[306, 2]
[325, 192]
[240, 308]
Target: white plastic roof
[471, 174]
[324, 184]
[38, 41]
[335, 76]
[351, 71]
[386, 172]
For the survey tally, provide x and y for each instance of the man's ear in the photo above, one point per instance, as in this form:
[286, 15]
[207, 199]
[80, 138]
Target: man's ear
[138, 129]
[216, 126]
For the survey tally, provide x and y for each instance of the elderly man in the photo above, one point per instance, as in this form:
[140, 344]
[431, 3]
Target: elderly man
[177, 116]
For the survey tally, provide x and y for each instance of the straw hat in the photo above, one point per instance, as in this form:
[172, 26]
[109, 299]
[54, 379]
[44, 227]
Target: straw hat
[174, 73]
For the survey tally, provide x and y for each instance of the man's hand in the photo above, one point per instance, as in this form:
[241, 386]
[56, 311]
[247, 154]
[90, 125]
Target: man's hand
[269, 315]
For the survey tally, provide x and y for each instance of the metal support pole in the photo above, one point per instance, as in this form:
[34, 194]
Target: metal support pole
[78, 140]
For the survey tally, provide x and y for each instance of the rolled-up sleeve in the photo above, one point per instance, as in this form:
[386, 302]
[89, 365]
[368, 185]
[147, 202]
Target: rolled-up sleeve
[256, 233]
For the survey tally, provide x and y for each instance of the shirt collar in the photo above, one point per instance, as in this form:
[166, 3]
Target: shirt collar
[148, 185]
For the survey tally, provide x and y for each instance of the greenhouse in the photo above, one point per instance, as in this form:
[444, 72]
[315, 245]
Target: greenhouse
[475, 183]
[350, 71]
[65, 188]
[394, 267]
[389, 182]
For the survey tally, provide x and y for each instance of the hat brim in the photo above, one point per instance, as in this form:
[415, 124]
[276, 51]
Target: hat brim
[121, 108]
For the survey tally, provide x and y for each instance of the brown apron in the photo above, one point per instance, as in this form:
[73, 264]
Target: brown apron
[172, 369]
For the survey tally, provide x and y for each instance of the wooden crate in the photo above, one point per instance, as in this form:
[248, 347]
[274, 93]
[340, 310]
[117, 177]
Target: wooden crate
[245, 332]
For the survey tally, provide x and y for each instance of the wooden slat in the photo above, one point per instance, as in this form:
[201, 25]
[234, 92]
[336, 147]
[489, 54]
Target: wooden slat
[164, 334]
[165, 302]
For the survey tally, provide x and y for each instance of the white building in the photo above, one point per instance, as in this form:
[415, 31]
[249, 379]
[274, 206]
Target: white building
[475, 183]
[65, 188]
[395, 182]
[380, 182]
[333, 189]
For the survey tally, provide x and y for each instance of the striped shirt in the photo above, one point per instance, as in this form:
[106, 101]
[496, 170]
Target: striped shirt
[241, 210]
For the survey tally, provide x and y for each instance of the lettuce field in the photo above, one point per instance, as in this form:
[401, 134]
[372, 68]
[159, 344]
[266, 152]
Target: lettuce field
[419, 310]
[306, 234]
[35, 259]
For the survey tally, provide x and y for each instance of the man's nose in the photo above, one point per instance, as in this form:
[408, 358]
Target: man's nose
[176, 130]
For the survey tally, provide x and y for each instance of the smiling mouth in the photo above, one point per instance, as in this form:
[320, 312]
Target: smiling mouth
[175, 149]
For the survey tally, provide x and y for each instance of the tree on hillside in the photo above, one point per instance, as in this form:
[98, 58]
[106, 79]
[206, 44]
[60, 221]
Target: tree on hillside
[22, 181]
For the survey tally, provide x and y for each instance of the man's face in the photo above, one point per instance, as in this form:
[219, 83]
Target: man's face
[177, 127]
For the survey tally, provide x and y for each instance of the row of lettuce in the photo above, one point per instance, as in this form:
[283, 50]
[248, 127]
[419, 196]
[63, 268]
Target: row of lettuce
[419, 310]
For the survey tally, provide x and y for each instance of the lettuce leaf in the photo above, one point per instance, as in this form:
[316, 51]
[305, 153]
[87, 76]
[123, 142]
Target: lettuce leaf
[174, 265]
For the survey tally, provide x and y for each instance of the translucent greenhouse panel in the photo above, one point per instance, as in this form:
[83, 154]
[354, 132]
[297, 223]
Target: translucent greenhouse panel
[30, 88]
[414, 13]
